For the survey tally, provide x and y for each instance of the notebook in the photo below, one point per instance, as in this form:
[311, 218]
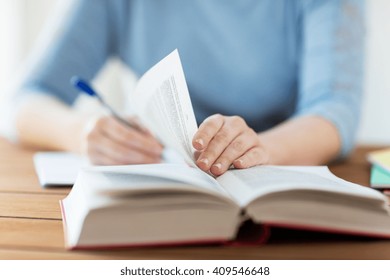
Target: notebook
[58, 169]
[380, 179]
[380, 158]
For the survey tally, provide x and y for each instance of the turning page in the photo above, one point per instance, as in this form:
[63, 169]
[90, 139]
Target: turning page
[162, 102]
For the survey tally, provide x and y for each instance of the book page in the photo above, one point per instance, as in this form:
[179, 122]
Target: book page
[164, 177]
[162, 102]
[246, 185]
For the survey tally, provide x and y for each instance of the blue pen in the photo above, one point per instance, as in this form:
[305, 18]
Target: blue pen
[85, 87]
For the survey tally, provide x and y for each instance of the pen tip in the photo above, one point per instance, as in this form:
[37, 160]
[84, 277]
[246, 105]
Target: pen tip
[82, 85]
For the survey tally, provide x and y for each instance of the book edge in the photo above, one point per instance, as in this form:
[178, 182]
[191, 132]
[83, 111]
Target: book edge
[328, 230]
[64, 224]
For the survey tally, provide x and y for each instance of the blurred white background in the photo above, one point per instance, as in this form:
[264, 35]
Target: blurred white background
[22, 20]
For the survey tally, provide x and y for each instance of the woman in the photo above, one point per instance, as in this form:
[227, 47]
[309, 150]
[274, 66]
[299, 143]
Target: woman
[271, 82]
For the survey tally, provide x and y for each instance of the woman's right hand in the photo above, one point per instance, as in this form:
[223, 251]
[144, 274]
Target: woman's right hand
[106, 141]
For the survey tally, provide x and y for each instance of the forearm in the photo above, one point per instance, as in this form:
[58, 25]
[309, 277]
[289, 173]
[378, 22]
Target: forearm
[47, 123]
[306, 140]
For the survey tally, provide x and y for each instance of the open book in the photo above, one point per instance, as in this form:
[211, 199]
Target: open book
[164, 204]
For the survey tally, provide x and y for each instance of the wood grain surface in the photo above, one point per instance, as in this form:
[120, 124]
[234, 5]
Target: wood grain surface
[31, 226]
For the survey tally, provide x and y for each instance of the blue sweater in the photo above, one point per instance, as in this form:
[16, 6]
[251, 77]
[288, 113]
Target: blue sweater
[264, 60]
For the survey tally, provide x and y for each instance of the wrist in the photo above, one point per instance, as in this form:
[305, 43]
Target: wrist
[272, 152]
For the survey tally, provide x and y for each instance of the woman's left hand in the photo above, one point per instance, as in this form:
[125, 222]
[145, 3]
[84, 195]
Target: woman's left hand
[223, 141]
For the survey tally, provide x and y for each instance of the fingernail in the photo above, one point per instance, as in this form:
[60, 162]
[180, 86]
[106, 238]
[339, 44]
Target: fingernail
[218, 166]
[240, 162]
[200, 142]
[205, 161]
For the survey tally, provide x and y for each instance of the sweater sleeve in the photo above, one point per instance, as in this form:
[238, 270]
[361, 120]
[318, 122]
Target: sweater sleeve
[81, 47]
[331, 68]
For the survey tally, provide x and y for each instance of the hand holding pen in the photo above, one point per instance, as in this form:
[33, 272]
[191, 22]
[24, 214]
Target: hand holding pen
[113, 139]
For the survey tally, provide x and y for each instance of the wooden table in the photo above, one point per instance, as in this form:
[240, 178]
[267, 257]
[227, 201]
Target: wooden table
[31, 226]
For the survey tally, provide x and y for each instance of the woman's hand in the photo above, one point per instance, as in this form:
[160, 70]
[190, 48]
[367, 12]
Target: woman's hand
[106, 141]
[223, 141]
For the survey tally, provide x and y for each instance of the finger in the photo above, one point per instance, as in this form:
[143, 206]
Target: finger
[207, 131]
[119, 154]
[98, 158]
[197, 154]
[232, 127]
[237, 148]
[253, 157]
[134, 120]
[131, 138]
[142, 140]
[104, 147]
[132, 157]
